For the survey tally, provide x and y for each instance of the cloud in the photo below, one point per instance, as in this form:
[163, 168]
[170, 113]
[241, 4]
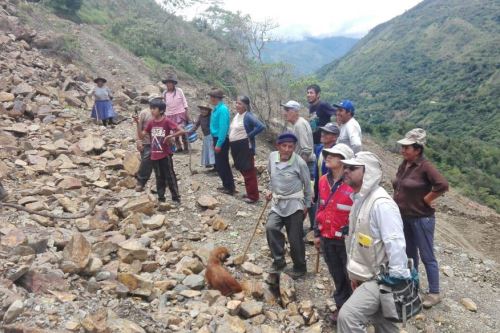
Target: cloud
[318, 18]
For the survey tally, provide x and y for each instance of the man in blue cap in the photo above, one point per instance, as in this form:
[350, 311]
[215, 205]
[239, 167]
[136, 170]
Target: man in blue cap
[291, 196]
[350, 131]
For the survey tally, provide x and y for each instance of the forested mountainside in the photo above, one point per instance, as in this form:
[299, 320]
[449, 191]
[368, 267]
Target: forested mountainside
[437, 66]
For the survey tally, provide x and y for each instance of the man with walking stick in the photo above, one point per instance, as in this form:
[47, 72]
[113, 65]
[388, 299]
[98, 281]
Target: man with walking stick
[291, 196]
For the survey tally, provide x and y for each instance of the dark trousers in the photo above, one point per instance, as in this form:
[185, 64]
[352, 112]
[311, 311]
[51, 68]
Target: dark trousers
[251, 185]
[165, 175]
[276, 240]
[222, 166]
[146, 167]
[419, 236]
[335, 255]
[312, 214]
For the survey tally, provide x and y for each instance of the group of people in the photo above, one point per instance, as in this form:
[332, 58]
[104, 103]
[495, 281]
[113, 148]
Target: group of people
[318, 170]
[357, 225]
[162, 127]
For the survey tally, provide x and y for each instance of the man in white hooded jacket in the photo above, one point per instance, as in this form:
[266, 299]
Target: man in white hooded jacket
[375, 237]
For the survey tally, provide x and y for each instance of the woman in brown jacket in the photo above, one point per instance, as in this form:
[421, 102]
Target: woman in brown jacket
[417, 185]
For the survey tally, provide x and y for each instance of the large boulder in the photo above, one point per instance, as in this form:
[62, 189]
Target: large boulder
[76, 254]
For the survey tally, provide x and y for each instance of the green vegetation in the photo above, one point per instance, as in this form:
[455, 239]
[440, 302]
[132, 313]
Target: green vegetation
[67, 8]
[437, 67]
[309, 54]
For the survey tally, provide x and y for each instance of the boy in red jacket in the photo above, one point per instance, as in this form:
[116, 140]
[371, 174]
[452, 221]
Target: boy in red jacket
[332, 220]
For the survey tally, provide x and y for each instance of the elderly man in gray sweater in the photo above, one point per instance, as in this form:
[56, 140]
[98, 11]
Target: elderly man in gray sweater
[291, 195]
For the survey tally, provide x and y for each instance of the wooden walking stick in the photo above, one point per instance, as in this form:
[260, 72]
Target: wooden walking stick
[241, 258]
[316, 269]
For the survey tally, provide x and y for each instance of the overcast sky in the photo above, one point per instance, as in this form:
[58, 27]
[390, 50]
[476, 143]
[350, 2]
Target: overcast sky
[318, 18]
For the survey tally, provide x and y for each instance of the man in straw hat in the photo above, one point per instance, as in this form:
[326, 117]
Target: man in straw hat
[177, 108]
[375, 238]
[219, 128]
[291, 195]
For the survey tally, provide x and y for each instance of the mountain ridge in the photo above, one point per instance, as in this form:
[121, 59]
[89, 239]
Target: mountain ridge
[435, 66]
[309, 54]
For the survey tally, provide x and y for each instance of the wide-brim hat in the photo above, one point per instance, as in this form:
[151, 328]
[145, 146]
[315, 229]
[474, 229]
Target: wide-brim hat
[218, 93]
[97, 79]
[205, 106]
[416, 135]
[339, 149]
[170, 77]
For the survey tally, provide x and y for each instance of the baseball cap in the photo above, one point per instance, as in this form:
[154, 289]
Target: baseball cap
[291, 105]
[364, 158]
[339, 149]
[416, 135]
[346, 105]
[331, 128]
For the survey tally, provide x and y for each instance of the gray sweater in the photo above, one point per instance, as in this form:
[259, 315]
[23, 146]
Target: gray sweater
[303, 132]
[288, 178]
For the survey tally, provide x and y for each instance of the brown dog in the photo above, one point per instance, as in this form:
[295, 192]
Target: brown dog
[217, 276]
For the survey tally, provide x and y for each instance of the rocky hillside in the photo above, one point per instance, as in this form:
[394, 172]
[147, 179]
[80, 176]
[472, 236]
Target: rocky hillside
[130, 265]
[435, 66]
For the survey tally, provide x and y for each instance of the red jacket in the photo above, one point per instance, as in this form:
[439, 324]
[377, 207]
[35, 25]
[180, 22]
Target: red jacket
[333, 214]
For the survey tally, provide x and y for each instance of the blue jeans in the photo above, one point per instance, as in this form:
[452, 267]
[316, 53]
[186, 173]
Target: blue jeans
[419, 236]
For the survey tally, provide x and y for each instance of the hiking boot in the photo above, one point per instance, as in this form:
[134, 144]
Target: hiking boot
[429, 300]
[226, 191]
[3, 193]
[139, 188]
[162, 200]
[277, 267]
[295, 274]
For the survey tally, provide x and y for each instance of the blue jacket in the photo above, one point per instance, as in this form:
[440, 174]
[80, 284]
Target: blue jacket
[253, 126]
[219, 123]
[317, 173]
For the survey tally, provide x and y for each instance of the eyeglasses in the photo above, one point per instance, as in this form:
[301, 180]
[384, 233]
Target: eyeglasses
[352, 167]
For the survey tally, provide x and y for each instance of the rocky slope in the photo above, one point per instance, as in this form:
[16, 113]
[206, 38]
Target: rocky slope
[134, 266]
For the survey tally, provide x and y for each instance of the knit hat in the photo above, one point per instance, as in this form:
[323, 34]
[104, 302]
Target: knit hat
[286, 137]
